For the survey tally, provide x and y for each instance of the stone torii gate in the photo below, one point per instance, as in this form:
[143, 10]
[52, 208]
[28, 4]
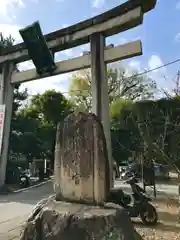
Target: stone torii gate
[94, 30]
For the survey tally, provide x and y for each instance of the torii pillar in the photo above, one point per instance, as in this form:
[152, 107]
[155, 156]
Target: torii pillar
[6, 100]
[99, 88]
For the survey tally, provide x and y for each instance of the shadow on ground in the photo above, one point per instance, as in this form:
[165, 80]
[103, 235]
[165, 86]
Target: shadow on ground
[168, 221]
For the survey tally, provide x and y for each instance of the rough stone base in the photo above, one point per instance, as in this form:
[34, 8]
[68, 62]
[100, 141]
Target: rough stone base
[52, 220]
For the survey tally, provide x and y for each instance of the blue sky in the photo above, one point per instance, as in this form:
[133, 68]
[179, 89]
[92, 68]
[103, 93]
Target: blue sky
[160, 34]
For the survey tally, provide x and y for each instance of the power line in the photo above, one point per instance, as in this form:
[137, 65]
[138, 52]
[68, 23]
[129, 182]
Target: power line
[135, 75]
[154, 69]
[138, 74]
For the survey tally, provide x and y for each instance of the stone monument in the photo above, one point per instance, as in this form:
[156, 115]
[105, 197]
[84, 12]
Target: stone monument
[79, 208]
[81, 164]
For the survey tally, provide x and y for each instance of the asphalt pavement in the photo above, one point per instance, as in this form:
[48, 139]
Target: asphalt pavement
[163, 190]
[15, 208]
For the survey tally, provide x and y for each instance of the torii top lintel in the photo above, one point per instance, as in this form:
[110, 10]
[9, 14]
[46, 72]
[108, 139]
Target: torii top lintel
[79, 33]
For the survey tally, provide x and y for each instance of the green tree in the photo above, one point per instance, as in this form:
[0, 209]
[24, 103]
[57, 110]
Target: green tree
[19, 98]
[126, 140]
[117, 110]
[158, 123]
[27, 142]
[120, 86]
[52, 106]
[152, 128]
[38, 122]
[80, 90]
[5, 42]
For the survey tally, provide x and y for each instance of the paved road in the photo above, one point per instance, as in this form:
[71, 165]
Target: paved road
[163, 190]
[15, 208]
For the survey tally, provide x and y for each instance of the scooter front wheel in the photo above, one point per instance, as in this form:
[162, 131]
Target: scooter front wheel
[149, 215]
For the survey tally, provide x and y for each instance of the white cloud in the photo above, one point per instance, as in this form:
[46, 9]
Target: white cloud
[178, 5]
[68, 52]
[58, 83]
[26, 65]
[160, 76]
[135, 65]
[64, 55]
[123, 40]
[98, 3]
[13, 30]
[65, 25]
[8, 7]
[177, 38]
[154, 62]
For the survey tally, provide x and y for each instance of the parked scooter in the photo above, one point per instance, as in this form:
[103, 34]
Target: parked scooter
[138, 205]
[24, 180]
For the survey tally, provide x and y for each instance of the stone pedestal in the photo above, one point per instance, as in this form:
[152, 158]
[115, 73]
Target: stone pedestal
[53, 220]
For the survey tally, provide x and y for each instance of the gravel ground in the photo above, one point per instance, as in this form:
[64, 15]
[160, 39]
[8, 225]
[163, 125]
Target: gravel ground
[168, 227]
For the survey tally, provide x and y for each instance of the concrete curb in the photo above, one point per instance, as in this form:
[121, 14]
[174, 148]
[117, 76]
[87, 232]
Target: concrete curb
[34, 186]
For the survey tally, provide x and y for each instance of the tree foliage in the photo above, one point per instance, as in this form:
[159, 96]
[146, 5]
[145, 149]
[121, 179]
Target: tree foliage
[51, 106]
[19, 96]
[5, 42]
[36, 125]
[120, 85]
[126, 140]
[147, 128]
